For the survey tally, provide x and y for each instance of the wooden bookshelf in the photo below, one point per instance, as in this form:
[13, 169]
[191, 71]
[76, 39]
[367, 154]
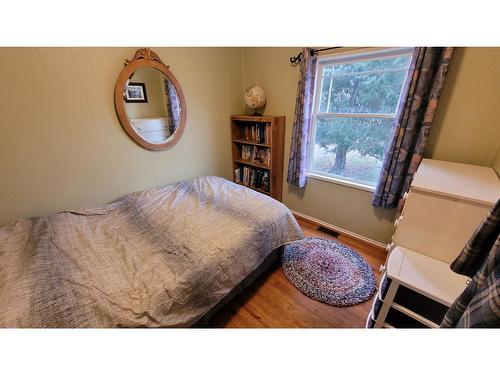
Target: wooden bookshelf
[267, 140]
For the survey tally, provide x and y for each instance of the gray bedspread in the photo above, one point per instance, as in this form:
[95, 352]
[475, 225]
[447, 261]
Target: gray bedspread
[157, 258]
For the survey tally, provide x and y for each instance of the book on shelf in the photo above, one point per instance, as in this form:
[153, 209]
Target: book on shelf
[258, 133]
[251, 177]
[255, 154]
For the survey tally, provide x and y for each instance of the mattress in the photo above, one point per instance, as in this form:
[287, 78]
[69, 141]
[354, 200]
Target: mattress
[163, 257]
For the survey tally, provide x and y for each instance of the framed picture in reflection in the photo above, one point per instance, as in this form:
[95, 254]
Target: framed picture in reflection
[135, 92]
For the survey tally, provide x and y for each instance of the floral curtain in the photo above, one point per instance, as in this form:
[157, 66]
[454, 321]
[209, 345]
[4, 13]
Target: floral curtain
[173, 105]
[413, 123]
[297, 164]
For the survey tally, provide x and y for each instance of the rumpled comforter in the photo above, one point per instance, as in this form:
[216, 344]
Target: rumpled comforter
[157, 258]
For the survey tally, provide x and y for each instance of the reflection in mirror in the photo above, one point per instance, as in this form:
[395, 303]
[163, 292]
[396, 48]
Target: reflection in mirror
[152, 105]
[149, 102]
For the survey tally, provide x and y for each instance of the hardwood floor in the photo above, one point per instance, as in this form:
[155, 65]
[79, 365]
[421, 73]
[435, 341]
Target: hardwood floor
[272, 301]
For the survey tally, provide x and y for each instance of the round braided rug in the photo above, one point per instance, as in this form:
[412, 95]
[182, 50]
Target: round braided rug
[328, 271]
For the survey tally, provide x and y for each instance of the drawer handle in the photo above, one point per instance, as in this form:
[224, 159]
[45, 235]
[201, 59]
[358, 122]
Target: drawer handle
[398, 221]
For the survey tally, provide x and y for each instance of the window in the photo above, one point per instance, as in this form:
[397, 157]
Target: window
[356, 99]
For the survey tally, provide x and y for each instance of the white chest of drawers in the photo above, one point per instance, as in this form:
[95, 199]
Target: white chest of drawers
[152, 129]
[445, 204]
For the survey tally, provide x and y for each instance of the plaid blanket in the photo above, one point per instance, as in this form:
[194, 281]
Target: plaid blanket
[479, 304]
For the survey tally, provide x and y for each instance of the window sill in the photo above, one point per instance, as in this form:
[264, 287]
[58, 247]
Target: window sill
[337, 181]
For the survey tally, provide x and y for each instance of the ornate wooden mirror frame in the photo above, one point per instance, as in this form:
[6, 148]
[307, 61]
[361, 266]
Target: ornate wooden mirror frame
[146, 58]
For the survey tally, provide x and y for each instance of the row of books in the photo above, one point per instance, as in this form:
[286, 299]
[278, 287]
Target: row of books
[256, 154]
[251, 177]
[259, 133]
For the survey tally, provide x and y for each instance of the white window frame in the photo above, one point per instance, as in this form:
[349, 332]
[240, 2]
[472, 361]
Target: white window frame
[339, 58]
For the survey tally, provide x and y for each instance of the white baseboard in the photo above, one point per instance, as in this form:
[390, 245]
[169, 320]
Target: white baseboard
[335, 228]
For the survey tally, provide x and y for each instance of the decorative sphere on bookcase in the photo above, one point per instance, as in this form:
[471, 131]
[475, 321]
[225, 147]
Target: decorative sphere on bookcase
[255, 98]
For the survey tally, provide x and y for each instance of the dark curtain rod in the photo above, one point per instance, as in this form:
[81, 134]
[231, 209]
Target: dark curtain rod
[294, 60]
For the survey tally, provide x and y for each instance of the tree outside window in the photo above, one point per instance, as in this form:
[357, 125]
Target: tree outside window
[356, 100]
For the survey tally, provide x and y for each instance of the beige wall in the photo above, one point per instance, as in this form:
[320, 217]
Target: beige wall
[156, 105]
[61, 145]
[467, 129]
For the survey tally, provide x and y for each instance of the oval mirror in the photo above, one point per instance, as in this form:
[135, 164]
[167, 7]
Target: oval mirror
[149, 102]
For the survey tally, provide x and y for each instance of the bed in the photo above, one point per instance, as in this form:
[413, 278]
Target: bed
[165, 257]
